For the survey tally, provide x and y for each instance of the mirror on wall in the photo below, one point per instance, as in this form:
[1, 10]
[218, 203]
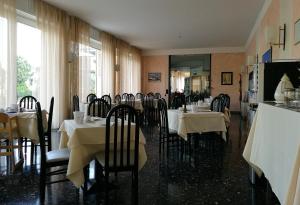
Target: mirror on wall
[189, 74]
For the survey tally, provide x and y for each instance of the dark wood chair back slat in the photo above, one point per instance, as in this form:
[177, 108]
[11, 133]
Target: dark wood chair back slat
[121, 147]
[139, 96]
[130, 100]
[217, 104]
[75, 103]
[118, 99]
[107, 98]
[98, 108]
[90, 97]
[27, 102]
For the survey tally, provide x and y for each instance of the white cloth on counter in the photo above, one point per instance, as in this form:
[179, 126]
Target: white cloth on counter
[273, 148]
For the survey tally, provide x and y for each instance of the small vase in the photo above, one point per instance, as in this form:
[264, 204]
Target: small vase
[284, 84]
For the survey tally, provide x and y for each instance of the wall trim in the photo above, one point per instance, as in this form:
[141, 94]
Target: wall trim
[193, 51]
[259, 18]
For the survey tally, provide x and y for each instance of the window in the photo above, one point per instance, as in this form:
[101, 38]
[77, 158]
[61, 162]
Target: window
[28, 60]
[91, 64]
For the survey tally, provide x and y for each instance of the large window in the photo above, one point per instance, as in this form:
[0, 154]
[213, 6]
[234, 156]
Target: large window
[28, 60]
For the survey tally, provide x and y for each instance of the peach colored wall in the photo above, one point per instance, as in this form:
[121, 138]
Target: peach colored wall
[155, 64]
[220, 63]
[296, 16]
[278, 13]
[225, 62]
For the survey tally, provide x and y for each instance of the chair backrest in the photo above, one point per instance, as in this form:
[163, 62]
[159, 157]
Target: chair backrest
[177, 102]
[4, 119]
[41, 134]
[27, 102]
[50, 116]
[157, 95]
[217, 104]
[118, 99]
[163, 112]
[150, 94]
[107, 98]
[90, 97]
[226, 99]
[75, 103]
[98, 108]
[139, 96]
[195, 98]
[148, 102]
[122, 146]
[124, 96]
[130, 100]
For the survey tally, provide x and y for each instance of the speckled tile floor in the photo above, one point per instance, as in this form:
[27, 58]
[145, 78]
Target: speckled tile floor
[216, 174]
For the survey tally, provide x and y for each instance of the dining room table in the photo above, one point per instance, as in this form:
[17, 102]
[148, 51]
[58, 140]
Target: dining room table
[199, 121]
[27, 124]
[86, 142]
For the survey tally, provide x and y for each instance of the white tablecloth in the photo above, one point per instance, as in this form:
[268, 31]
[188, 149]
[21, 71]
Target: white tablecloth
[85, 142]
[27, 122]
[196, 122]
[272, 148]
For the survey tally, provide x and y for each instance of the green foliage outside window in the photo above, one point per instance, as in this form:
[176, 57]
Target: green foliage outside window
[24, 77]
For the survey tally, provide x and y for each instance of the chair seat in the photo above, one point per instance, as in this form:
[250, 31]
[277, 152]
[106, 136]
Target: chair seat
[172, 132]
[58, 155]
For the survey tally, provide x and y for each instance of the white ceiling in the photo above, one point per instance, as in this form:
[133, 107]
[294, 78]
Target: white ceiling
[170, 24]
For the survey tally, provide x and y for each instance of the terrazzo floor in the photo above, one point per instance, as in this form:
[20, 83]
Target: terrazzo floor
[214, 174]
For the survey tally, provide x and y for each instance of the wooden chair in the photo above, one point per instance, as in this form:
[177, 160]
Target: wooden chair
[124, 96]
[107, 98]
[130, 100]
[139, 96]
[75, 103]
[149, 110]
[55, 158]
[9, 132]
[90, 97]
[98, 108]
[48, 135]
[217, 104]
[118, 99]
[150, 94]
[165, 134]
[177, 102]
[157, 96]
[122, 147]
[27, 102]
[226, 100]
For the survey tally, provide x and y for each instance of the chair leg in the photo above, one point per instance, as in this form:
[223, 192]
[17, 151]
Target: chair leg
[135, 186]
[31, 153]
[42, 188]
[25, 144]
[107, 188]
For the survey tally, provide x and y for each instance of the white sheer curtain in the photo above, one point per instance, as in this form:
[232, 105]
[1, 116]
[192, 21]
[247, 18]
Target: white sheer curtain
[82, 34]
[136, 71]
[53, 72]
[130, 68]
[105, 83]
[8, 74]
[124, 62]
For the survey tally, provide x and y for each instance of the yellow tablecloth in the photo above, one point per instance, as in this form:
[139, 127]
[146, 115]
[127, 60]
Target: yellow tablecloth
[273, 148]
[196, 122]
[86, 141]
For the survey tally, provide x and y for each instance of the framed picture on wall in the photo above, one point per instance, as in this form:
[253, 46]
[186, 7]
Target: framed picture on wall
[226, 78]
[297, 32]
[154, 76]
